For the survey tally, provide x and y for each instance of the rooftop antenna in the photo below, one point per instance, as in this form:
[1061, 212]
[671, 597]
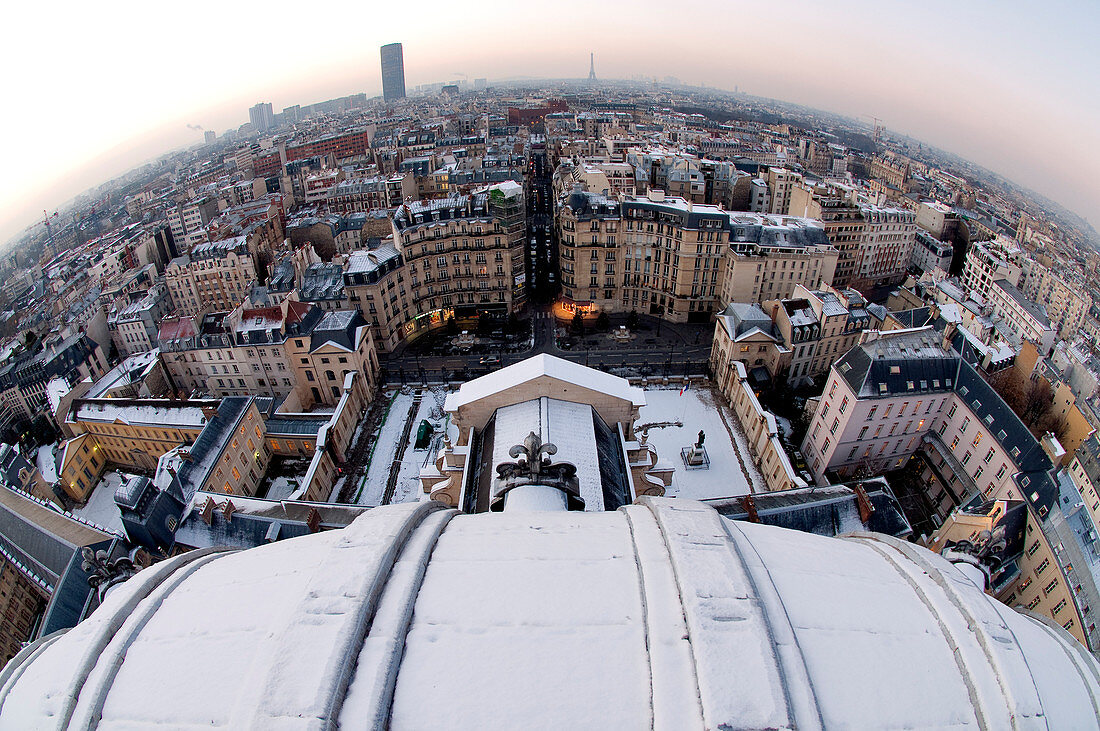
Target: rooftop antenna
[591, 67]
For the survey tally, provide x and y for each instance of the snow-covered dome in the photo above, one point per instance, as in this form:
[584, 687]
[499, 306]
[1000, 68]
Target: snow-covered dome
[658, 615]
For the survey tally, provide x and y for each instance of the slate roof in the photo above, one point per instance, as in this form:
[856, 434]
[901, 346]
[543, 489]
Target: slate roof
[740, 318]
[281, 278]
[587, 205]
[209, 446]
[916, 317]
[1034, 479]
[337, 327]
[322, 282]
[887, 366]
[1036, 310]
[38, 539]
[829, 510]
[257, 521]
[365, 267]
[129, 492]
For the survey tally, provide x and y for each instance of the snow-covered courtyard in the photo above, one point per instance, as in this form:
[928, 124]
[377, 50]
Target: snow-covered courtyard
[101, 508]
[731, 470]
[407, 488]
[46, 461]
[373, 484]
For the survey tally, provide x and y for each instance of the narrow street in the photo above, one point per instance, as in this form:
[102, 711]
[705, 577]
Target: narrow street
[664, 356]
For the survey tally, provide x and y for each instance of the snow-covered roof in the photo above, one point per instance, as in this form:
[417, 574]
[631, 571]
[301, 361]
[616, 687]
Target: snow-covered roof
[363, 262]
[568, 426]
[659, 615]
[56, 389]
[544, 365]
[134, 368]
[145, 412]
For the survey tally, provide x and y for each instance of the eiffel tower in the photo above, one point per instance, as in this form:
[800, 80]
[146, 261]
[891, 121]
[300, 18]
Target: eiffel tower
[592, 67]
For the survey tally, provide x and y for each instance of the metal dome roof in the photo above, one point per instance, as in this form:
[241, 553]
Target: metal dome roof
[661, 614]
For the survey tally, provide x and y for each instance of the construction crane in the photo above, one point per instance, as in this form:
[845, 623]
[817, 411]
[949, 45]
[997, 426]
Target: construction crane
[878, 126]
[46, 220]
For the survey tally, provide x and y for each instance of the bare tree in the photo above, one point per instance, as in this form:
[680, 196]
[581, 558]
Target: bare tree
[1031, 400]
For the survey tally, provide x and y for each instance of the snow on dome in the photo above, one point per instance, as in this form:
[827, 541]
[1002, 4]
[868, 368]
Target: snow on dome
[661, 614]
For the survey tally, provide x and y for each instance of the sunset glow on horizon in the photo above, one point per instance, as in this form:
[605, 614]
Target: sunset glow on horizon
[996, 83]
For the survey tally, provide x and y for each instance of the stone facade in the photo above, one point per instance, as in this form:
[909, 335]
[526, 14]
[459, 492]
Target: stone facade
[460, 257]
[289, 348]
[680, 260]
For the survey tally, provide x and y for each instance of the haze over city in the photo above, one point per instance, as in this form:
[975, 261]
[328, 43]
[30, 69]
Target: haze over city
[1007, 85]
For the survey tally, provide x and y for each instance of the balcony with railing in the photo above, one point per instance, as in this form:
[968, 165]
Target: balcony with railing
[956, 471]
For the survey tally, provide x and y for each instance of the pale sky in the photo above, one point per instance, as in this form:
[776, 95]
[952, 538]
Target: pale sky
[92, 89]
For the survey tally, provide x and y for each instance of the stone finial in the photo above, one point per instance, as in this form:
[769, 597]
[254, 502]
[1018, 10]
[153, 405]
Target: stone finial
[533, 466]
[103, 571]
[532, 455]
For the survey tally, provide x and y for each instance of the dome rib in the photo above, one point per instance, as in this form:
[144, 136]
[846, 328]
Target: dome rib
[1077, 655]
[1004, 655]
[801, 698]
[644, 599]
[9, 676]
[84, 709]
[674, 685]
[333, 618]
[726, 622]
[369, 699]
[976, 698]
[95, 634]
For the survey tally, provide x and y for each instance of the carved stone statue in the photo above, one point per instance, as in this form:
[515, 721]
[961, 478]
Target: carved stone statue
[702, 436]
